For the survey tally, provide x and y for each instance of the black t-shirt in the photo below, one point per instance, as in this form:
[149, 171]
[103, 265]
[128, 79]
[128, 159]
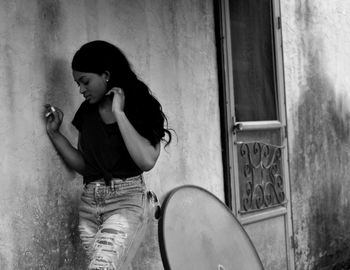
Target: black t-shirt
[102, 147]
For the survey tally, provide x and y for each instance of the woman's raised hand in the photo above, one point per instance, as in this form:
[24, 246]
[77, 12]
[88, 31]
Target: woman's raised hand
[54, 117]
[118, 99]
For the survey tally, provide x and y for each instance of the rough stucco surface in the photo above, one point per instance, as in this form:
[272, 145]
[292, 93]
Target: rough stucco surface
[171, 46]
[316, 55]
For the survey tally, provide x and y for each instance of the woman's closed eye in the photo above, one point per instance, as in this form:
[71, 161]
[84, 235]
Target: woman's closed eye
[85, 83]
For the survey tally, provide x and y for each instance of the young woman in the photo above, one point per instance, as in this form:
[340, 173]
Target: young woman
[120, 128]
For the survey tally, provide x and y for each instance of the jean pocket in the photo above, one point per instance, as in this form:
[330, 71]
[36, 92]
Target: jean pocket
[86, 200]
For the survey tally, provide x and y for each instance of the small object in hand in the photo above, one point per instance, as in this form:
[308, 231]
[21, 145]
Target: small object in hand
[51, 110]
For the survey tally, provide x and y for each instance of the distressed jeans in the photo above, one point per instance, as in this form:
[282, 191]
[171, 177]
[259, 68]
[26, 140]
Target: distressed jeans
[112, 222]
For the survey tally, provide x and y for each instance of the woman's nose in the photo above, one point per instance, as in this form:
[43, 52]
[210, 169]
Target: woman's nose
[82, 89]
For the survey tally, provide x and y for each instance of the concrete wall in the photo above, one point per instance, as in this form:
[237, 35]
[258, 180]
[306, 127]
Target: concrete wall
[171, 46]
[317, 65]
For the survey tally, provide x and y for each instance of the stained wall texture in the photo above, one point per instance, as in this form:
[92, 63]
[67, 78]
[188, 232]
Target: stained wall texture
[171, 46]
[316, 39]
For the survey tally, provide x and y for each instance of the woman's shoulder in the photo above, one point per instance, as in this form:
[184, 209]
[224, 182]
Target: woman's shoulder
[81, 113]
[84, 105]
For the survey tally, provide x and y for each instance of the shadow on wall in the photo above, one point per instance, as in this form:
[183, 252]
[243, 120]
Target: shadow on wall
[57, 69]
[57, 75]
[320, 165]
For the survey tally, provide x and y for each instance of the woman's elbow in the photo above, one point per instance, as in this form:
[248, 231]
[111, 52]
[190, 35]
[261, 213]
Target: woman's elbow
[149, 159]
[79, 167]
[149, 162]
[147, 165]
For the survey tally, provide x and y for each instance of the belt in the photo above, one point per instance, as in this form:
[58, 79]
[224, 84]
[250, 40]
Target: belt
[101, 182]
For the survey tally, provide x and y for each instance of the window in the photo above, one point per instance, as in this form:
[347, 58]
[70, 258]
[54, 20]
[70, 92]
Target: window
[252, 43]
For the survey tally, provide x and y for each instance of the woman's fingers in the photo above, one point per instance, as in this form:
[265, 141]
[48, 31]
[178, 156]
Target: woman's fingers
[53, 113]
[118, 90]
[59, 113]
[110, 92]
[115, 90]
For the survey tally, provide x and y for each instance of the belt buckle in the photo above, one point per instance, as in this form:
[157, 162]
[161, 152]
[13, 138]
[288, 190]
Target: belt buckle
[99, 188]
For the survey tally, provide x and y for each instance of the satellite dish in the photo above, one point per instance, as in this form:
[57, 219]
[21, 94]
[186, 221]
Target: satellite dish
[198, 231]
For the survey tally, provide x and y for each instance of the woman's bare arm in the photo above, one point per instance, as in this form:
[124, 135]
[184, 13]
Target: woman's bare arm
[143, 153]
[70, 154]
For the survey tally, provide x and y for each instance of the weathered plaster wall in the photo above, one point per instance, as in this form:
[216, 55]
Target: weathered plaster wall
[171, 46]
[316, 43]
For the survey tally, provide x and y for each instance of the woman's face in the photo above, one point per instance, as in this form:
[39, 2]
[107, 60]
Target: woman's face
[91, 85]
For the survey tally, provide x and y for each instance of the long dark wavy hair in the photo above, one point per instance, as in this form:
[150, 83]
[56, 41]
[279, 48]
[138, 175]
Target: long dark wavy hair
[141, 107]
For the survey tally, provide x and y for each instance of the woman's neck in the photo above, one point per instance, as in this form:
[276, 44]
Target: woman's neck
[105, 104]
[105, 111]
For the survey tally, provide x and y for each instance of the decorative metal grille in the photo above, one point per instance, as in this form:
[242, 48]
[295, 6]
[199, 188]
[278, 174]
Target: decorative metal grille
[260, 176]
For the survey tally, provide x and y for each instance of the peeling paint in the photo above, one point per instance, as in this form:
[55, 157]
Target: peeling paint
[53, 238]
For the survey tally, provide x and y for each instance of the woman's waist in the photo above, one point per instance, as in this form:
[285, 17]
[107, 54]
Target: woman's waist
[116, 183]
[95, 174]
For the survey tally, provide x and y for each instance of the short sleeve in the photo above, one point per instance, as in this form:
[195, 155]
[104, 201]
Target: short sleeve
[79, 117]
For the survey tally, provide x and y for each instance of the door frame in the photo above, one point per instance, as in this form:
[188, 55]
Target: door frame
[229, 147]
